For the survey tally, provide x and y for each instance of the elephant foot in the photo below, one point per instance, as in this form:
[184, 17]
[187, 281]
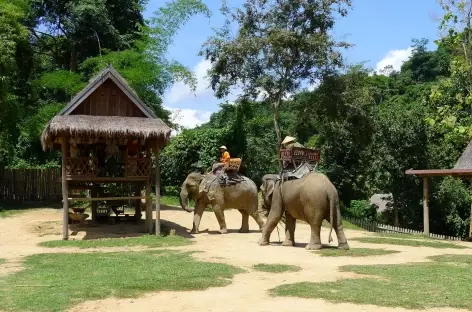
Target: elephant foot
[312, 246]
[224, 231]
[288, 243]
[343, 246]
[193, 231]
[243, 230]
[263, 242]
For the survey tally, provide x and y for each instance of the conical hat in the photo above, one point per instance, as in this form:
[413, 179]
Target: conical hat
[288, 139]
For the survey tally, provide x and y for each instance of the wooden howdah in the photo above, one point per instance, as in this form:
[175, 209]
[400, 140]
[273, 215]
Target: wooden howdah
[297, 155]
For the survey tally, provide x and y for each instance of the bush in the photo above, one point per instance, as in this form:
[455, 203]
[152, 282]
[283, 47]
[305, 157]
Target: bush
[171, 191]
[451, 207]
[362, 209]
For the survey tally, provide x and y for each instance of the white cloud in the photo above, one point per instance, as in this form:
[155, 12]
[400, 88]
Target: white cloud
[181, 92]
[314, 85]
[394, 58]
[188, 118]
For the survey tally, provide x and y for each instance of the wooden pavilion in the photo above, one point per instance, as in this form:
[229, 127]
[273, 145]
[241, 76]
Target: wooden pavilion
[107, 135]
[462, 168]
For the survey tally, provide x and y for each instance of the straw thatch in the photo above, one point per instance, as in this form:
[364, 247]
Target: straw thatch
[465, 161]
[105, 126]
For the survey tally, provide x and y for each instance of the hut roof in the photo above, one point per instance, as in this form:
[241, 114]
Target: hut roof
[106, 126]
[465, 161]
[149, 127]
[96, 81]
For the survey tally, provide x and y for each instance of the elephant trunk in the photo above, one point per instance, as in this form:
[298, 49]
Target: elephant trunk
[184, 200]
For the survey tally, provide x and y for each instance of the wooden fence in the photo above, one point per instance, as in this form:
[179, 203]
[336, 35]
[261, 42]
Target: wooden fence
[384, 228]
[30, 185]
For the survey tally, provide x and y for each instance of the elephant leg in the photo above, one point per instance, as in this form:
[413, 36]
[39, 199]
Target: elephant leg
[342, 241]
[220, 216]
[245, 222]
[290, 223]
[273, 219]
[197, 217]
[315, 241]
[257, 217]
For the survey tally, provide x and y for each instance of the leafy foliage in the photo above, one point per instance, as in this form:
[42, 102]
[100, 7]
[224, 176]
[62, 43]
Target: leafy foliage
[278, 46]
[50, 49]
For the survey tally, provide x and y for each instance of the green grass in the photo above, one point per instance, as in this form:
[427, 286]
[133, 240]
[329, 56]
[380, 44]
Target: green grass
[276, 268]
[2, 261]
[145, 241]
[407, 242]
[55, 282]
[5, 213]
[404, 236]
[354, 252]
[172, 201]
[442, 283]
[175, 201]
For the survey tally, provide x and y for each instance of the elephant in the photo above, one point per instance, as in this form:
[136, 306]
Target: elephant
[206, 190]
[312, 198]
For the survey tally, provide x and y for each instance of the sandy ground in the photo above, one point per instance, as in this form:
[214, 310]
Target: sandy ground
[248, 291]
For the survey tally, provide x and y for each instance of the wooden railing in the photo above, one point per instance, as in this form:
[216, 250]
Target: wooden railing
[137, 167]
[297, 155]
[82, 166]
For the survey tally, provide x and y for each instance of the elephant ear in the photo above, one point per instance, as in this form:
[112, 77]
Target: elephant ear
[203, 187]
[270, 185]
[206, 189]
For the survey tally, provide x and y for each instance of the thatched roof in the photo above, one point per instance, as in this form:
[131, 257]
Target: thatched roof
[105, 126]
[64, 124]
[465, 161]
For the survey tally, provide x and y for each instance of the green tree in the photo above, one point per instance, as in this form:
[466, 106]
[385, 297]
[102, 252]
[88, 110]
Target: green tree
[13, 37]
[278, 46]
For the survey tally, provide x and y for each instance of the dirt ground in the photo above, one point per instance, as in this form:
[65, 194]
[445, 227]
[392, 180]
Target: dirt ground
[248, 291]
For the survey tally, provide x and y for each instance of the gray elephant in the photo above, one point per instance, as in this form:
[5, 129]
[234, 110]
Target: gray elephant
[312, 198]
[206, 190]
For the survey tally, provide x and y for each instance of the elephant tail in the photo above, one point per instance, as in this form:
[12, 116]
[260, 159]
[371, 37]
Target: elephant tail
[333, 207]
[333, 203]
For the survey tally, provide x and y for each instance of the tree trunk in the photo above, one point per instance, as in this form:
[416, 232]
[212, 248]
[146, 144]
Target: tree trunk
[73, 57]
[277, 127]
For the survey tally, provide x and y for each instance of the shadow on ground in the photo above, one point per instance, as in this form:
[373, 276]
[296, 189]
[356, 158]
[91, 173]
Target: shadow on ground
[127, 228]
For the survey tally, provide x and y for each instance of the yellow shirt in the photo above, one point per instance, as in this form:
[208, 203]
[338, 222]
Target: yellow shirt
[224, 157]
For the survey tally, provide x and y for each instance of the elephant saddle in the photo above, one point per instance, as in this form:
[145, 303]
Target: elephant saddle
[302, 170]
[228, 178]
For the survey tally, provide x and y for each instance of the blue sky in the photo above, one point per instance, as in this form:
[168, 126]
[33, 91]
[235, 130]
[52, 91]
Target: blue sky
[381, 31]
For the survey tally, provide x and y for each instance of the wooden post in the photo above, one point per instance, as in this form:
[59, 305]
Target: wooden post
[425, 207]
[93, 194]
[137, 204]
[158, 193]
[65, 189]
[148, 223]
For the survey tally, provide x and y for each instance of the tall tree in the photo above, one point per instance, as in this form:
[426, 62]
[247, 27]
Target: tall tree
[80, 29]
[456, 25]
[279, 45]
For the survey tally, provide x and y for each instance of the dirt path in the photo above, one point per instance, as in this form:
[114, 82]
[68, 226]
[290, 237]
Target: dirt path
[248, 292]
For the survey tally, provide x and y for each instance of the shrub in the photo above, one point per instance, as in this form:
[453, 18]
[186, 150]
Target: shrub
[362, 209]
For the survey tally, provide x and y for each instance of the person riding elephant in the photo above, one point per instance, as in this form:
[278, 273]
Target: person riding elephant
[312, 198]
[289, 143]
[206, 190]
[224, 159]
